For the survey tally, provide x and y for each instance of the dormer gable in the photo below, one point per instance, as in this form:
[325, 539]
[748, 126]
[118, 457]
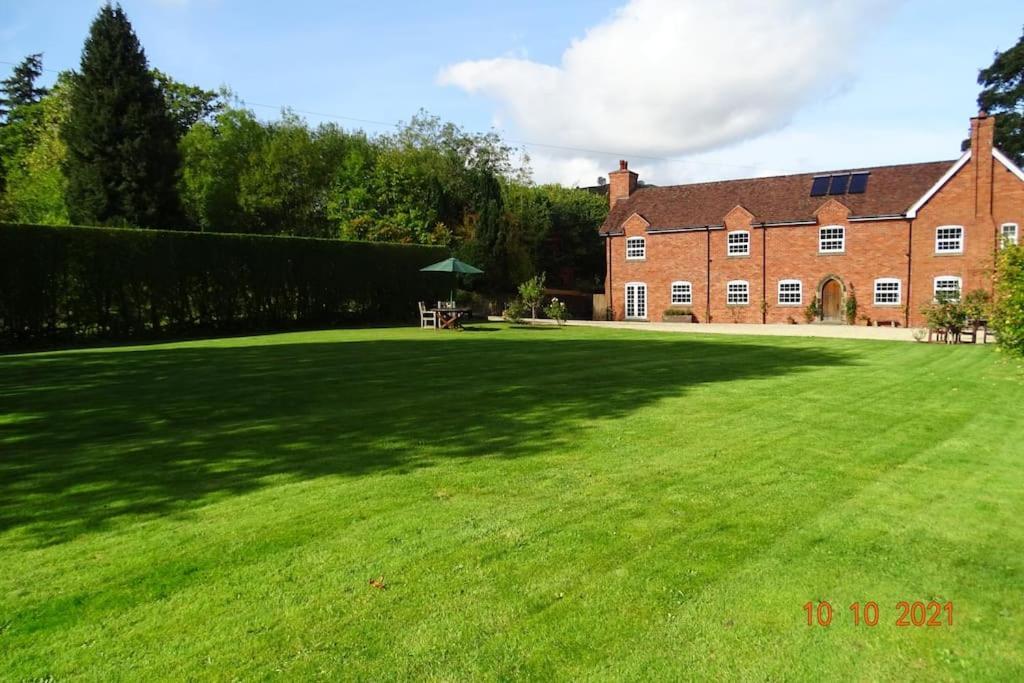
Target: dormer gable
[738, 218]
[635, 224]
[832, 211]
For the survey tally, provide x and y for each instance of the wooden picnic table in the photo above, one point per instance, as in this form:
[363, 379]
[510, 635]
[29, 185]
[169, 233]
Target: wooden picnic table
[450, 318]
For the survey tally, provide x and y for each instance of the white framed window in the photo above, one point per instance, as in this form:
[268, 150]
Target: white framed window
[948, 286]
[738, 243]
[636, 300]
[831, 239]
[737, 293]
[682, 293]
[949, 239]
[791, 292]
[636, 248]
[1009, 232]
[888, 291]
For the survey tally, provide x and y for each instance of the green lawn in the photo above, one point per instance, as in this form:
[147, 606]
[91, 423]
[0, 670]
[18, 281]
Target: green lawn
[540, 503]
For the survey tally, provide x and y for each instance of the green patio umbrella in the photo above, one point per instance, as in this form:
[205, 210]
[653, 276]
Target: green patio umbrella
[451, 265]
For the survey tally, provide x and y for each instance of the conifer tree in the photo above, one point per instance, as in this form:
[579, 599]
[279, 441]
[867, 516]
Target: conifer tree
[20, 88]
[1002, 94]
[122, 163]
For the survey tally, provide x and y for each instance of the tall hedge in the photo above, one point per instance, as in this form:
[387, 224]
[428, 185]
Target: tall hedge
[62, 284]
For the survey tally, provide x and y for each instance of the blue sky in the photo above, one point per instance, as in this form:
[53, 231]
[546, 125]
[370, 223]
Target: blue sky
[687, 90]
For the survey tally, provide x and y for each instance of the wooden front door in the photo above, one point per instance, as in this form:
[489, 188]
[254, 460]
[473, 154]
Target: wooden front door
[831, 301]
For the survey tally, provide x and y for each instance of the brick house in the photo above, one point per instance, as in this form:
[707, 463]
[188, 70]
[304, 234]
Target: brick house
[891, 235]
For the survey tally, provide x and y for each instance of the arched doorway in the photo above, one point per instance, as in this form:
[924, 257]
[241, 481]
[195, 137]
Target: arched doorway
[831, 301]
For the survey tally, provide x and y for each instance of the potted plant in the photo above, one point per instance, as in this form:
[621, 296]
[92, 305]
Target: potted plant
[677, 315]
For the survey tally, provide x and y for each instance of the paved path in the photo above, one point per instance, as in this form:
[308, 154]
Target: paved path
[835, 331]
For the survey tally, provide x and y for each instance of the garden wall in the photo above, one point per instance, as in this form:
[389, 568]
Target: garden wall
[69, 284]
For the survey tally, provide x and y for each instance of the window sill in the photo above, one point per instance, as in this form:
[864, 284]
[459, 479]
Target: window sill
[948, 253]
[877, 305]
[737, 255]
[737, 305]
[796, 305]
[640, 258]
[832, 253]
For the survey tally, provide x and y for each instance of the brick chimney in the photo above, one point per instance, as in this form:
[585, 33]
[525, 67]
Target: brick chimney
[983, 128]
[621, 183]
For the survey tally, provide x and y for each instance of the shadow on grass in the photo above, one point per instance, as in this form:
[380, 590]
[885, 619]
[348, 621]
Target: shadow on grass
[87, 438]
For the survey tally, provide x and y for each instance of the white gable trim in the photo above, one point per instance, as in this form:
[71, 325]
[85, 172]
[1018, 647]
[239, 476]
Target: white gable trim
[961, 162]
[1005, 161]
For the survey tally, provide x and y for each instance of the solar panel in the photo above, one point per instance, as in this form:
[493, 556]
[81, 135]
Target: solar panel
[819, 186]
[839, 183]
[858, 183]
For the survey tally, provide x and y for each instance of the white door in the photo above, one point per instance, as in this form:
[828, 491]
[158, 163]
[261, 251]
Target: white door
[636, 300]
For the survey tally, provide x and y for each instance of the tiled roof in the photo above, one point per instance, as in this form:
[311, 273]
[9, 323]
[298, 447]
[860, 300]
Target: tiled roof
[891, 190]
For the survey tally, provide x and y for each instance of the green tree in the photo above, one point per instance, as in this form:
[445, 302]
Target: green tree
[187, 105]
[33, 153]
[20, 88]
[572, 249]
[215, 155]
[1003, 94]
[122, 162]
[285, 186]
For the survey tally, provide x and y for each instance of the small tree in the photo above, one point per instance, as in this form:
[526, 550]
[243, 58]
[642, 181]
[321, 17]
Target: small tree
[946, 312]
[1008, 309]
[531, 293]
[978, 304]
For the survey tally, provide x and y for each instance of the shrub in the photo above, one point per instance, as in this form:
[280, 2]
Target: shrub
[514, 312]
[1008, 309]
[671, 312]
[812, 311]
[74, 284]
[851, 307]
[557, 311]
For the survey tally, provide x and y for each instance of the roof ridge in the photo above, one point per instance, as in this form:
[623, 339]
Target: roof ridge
[855, 169]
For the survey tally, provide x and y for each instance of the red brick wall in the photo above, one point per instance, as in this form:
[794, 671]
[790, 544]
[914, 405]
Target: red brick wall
[873, 249]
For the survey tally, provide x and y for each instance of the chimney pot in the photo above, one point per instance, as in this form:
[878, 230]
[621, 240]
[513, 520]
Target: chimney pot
[623, 164]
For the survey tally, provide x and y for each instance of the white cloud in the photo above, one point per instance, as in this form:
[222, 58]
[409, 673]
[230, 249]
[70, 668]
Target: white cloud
[671, 77]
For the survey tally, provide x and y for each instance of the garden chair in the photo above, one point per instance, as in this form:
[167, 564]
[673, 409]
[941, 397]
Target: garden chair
[427, 318]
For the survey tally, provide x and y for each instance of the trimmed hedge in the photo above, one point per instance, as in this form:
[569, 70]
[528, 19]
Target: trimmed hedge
[66, 284]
